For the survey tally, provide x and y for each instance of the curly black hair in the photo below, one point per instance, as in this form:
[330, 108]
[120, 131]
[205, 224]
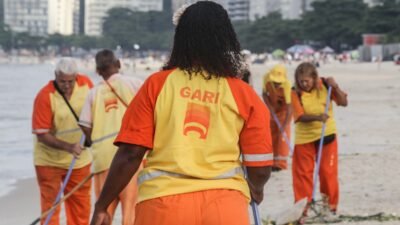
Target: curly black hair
[206, 41]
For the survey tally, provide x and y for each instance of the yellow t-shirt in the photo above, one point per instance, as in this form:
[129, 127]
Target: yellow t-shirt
[197, 130]
[103, 112]
[312, 103]
[52, 115]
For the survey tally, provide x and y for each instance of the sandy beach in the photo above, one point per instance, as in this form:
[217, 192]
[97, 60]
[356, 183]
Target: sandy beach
[369, 149]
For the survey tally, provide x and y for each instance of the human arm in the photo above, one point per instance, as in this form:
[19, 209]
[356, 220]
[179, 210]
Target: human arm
[286, 121]
[50, 140]
[306, 118]
[42, 123]
[266, 94]
[299, 114]
[266, 100]
[255, 142]
[287, 90]
[124, 165]
[86, 118]
[88, 135]
[257, 177]
[340, 96]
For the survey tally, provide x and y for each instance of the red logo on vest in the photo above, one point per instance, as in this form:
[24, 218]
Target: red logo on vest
[197, 119]
[110, 103]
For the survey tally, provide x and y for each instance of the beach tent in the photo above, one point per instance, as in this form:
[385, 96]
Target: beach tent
[327, 50]
[278, 53]
[301, 49]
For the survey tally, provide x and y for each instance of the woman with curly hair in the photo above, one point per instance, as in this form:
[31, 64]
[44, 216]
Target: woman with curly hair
[196, 117]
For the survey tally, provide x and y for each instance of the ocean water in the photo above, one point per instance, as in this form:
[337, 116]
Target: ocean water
[19, 85]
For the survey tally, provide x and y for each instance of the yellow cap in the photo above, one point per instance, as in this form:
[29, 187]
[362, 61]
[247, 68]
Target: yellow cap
[278, 74]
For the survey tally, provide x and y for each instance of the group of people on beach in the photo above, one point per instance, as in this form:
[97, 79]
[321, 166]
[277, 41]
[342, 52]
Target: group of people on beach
[309, 104]
[193, 144]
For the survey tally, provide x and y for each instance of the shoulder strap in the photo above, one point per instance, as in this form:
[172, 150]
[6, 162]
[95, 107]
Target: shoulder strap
[87, 142]
[66, 101]
[115, 93]
[324, 82]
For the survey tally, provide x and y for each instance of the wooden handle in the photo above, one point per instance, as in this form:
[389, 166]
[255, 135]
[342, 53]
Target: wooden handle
[63, 198]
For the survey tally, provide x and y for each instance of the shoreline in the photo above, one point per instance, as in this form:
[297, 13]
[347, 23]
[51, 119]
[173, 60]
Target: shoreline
[22, 204]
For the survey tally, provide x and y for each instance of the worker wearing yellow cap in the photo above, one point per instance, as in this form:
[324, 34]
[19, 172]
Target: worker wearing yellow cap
[277, 96]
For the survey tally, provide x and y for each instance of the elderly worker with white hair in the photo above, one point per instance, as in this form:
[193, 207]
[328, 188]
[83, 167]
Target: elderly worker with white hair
[57, 142]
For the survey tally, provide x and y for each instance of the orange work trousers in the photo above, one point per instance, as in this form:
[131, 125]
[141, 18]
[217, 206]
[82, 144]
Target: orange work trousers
[280, 147]
[127, 197]
[77, 206]
[210, 207]
[304, 159]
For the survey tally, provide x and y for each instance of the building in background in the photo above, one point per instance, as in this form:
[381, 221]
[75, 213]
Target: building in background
[42, 17]
[238, 10]
[178, 3]
[26, 16]
[259, 9]
[291, 9]
[1, 11]
[66, 17]
[61, 16]
[81, 17]
[372, 3]
[244, 10]
[96, 11]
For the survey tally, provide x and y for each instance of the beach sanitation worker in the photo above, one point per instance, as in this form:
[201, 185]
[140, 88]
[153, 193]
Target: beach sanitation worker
[101, 119]
[277, 96]
[57, 142]
[197, 118]
[309, 101]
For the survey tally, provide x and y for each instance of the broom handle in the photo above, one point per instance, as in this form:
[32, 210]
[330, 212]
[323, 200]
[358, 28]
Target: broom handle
[285, 137]
[316, 172]
[256, 213]
[253, 204]
[65, 182]
[63, 198]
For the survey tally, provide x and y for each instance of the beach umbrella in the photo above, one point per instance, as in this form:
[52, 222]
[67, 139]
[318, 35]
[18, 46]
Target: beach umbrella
[278, 53]
[327, 50]
[302, 49]
[308, 51]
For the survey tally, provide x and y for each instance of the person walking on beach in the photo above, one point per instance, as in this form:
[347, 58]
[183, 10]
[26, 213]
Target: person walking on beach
[197, 117]
[101, 119]
[57, 142]
[277, 95]
[309, 100]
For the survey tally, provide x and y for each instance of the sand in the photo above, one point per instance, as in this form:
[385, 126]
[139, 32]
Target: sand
[369, 149]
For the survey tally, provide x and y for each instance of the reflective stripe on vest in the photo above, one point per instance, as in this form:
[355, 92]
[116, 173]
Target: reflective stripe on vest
[105, 137]
[85, 123]
[67, 131]
[158, 173]
[40, 131]
[281, 158]
[257, 157]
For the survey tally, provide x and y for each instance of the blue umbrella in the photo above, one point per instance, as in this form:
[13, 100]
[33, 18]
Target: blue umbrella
[303, 49]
